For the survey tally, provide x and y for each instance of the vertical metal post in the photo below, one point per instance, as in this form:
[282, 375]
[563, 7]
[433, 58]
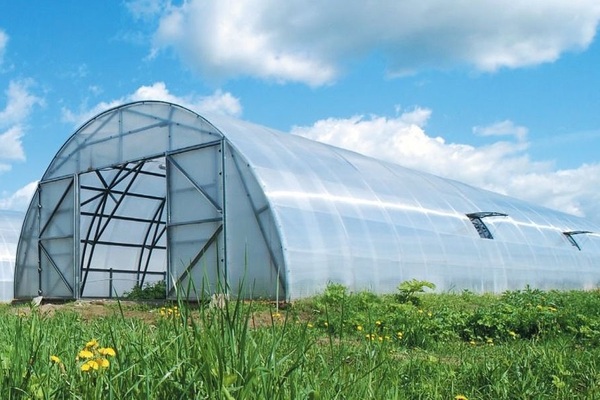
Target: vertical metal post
[39, 238]
[224, 216]
[76, 244]
[110, 283]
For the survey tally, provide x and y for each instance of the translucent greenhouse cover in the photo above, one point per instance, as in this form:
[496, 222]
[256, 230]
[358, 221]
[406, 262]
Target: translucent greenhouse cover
[151, 191]
[10, 227]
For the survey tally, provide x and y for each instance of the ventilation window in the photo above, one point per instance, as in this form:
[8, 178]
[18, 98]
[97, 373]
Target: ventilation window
[570, 236]
[480, 226]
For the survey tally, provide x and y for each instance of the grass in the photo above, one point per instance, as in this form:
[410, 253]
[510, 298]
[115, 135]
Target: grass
[339, 345]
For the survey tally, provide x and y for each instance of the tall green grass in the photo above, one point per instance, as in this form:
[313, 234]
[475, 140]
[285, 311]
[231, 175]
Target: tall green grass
[339, 345]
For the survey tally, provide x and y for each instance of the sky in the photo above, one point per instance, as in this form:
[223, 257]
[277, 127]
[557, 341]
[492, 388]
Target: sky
[498, 95]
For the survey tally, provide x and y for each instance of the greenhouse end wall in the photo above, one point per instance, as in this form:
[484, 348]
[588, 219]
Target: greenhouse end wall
[10, 226]
[150, 191]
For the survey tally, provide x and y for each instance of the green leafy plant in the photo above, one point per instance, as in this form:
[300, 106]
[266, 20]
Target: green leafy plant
[408, 290]
[150, 291]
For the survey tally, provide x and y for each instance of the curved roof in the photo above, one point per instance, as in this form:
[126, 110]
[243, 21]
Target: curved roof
[280, 211]
[10, 227]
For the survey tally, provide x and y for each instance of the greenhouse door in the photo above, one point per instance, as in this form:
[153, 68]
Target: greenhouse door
[55, 245]
[195, 221]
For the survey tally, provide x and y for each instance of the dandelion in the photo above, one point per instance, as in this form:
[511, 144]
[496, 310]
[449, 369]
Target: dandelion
[309, 325]
[85, 354]
[460, 397]
[359, 328]
[90, 365]
[399, 335]
[103, 362]
[107, 351]
[55, 359]
[472, 342]
[95, 356]
[276, 315]
[512, 334]
[326, 324]
[378, 323]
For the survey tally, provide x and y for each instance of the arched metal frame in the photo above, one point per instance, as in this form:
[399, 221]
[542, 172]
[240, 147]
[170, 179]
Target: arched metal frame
[137, 195]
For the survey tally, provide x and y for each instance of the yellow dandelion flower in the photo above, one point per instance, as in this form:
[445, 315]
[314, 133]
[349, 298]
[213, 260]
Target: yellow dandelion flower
[103, 362]
[309, 325]
[460, 397]
[489, 341]
[378, 323]
[326, 324]
[359, 328]
[85, 354]
[89, 366]
[472, 343]
[276, 315]
[91, 344]
[55, 359]
[107, 351]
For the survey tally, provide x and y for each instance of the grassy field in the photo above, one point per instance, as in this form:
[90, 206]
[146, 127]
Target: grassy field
[525, 344]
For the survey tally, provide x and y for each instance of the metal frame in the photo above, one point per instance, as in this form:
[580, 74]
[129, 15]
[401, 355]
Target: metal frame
[213, 239]
[101, 219]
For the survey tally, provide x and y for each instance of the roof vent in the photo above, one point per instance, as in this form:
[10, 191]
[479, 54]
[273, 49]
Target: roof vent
[480, 226]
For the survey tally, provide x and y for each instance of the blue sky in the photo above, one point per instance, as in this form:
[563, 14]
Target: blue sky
[497, 95]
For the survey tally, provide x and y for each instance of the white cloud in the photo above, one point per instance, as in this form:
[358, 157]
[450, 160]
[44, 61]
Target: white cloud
[3, 42]
[309, 43]
[20, 102]
[503, 128]
[219, 103]
[19, 201]
[19, 105]
[503, 166]
[11, 147]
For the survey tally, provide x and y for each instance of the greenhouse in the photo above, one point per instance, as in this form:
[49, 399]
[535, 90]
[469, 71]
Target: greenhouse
[10, 226]
[152, 191]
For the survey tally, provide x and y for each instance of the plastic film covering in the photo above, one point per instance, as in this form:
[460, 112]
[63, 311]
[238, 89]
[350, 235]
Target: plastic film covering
[10, 226]
[367, 224]
[150, 191]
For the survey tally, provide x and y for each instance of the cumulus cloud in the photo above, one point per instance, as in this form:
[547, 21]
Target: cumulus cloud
[502, 166]
[18, 201]
[11, 147]
[217, 103]
[20, 102]
[293, 41]
[19, 105]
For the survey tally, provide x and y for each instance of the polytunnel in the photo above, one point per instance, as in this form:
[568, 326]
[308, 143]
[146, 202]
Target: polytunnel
[10, 227]
[152, 191]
